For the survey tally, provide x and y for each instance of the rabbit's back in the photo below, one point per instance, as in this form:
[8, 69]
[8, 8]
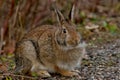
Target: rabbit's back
[38, 32]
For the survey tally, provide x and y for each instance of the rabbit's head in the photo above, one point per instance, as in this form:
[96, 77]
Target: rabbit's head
[67, 35]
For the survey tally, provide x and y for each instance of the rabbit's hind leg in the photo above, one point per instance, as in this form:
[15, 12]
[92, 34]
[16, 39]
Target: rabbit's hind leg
[27, 60]
[25, 56]
[31, 50]
[23, 65]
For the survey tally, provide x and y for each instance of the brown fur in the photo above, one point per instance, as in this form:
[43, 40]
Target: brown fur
[50, 48]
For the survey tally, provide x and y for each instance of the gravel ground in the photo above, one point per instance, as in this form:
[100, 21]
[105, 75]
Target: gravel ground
[104, 62]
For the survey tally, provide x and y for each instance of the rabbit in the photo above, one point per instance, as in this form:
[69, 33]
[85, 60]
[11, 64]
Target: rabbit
[50, 48]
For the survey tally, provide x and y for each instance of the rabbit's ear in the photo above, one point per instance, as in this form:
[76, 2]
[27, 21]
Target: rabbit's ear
[71, 14]
[60, 17]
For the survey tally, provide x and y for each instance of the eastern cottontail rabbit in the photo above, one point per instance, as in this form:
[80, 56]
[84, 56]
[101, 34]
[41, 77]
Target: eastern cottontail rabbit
[51, 48]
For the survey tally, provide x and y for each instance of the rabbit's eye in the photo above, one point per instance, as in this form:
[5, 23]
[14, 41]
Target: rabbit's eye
[64, 31]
